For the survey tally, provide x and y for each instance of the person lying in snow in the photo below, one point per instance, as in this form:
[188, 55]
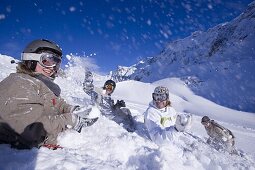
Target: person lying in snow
[161, 120]
[219, 136]
[102, 97]
[32, 113]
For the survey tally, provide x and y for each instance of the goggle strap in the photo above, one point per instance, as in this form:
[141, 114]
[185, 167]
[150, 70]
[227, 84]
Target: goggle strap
[31, 56]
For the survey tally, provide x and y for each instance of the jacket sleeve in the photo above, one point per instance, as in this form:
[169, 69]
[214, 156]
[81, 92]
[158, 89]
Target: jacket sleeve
[27, 101]
[157, 132]
[57, 123]
[89, 89]
[55, 118]
[222, 134]
[88, 86]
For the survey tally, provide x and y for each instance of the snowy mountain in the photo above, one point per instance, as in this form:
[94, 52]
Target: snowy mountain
[217, 64]
[106, 145]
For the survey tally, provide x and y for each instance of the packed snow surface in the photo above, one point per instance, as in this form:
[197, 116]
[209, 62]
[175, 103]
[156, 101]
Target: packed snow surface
[106, 145]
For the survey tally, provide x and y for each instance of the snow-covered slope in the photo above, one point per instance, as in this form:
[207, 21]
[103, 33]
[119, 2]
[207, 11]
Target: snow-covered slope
[217, 64]
[106, 145]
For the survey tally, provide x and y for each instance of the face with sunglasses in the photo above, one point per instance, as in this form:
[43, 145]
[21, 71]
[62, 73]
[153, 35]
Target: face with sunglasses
[109, 88]
[206, 123]
[160, 100]
[48, 63]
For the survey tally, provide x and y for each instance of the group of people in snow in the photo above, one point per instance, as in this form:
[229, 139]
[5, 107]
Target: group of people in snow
[32, 112]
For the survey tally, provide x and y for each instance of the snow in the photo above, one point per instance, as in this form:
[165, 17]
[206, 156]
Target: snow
[106, 145]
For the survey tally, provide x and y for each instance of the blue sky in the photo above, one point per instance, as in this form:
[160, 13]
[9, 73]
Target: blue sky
[119, 32]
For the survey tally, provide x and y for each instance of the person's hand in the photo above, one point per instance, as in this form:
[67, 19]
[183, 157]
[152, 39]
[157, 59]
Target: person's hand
[95, 112]
[224, 139]
[81, 111]
[87, 86]
[121, 103]
[88, 76]
[209, 141]
[83, 122]
[183, 122]
[73, 108]
[88, 82]
[91, 111]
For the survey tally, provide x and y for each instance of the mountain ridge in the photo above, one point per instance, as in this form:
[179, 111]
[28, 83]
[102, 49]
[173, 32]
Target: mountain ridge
[208, 62]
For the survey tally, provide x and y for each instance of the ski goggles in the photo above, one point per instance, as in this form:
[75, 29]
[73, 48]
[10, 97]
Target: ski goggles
[47, 60]
[159, 97]
[205, 123]
[109, 87]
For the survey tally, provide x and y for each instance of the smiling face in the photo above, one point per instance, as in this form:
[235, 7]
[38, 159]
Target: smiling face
[160, 99]
[109, 90]
[206, 124]
[160, 104]
[109, 86]
[48, 72]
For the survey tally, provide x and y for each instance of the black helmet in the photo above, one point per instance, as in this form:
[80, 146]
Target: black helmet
[37, 46]
[205, 119]
[109, 82]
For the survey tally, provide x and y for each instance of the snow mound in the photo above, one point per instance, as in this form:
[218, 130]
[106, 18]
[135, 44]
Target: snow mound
[106, 145]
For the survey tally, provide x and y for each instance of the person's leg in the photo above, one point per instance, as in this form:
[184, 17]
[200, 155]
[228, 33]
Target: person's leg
[34, 134]
[123, 117]
[230, 146]
[9, 136]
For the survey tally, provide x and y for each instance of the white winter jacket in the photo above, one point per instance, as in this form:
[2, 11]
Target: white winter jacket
[160, 123]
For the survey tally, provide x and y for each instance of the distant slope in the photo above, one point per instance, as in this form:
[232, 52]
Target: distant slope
[217, 64]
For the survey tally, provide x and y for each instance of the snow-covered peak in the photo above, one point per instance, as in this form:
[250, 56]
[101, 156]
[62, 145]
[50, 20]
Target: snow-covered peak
[217, 64]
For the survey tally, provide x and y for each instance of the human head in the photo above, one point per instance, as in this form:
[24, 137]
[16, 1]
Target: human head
[109, 86]
[42, 56]
[205, 121]
[160, 97]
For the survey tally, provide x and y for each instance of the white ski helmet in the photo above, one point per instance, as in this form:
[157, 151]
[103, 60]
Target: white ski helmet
[160, 93]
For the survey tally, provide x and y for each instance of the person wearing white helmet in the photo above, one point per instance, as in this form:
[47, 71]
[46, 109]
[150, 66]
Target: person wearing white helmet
[32, 113]
[161, 120]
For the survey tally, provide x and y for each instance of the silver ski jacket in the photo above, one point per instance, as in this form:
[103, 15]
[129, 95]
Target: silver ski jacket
[99, 96]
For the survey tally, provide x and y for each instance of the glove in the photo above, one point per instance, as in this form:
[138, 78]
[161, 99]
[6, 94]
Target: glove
[224, 139]
[87, 86]
[81, 111]
[88, 76]
[73, 108]
[120, 103]
[94, 97]
[209, 141]
[83, 122]
[183, 122]
[88, 82]
[90, 112]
